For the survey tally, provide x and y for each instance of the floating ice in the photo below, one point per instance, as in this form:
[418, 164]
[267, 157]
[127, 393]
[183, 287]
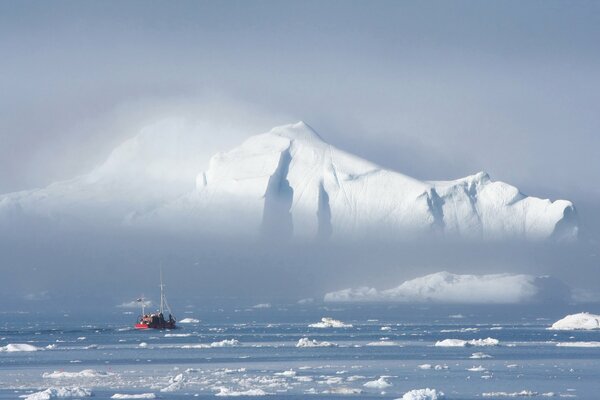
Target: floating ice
[522, 393]
[342, 391]
[582, 321]
[175, 383]
[133, 396]
[380, 383]
[329, 192]
[327, 322]
[18, 347]
[262, 305]
[578, 344]
[463, 343]
[222, 343]
[479, 368]
[479, 355]
[445, 287]
[306, 342]
[227, 392]
[58, 393]
[189, 321]
[383, 343]
[86, 373]
[423, 394]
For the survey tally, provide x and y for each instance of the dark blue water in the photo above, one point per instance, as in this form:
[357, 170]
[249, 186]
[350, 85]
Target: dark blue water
[249, 350]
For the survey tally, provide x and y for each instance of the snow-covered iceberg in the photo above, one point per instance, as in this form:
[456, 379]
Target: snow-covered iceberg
[445, 287]
[287, 182]
[583, 321]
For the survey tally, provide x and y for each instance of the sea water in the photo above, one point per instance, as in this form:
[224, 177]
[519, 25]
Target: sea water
[387, 351]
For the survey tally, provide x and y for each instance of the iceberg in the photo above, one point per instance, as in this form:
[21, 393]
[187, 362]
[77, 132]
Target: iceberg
[580, 321]
[285, 183]
[446, 287]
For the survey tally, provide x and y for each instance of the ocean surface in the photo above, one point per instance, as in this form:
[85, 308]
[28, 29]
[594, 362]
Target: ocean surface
[387, 351]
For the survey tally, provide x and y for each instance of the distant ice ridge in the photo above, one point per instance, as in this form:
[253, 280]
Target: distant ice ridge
[18, 347]
[423, 394]
[445, 287]
[287, 182]
[58, 393]
[583, 321]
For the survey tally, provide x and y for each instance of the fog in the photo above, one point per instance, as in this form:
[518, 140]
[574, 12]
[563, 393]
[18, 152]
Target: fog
[435, 90]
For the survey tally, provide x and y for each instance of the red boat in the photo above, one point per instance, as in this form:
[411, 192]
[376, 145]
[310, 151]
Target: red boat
[157, 319]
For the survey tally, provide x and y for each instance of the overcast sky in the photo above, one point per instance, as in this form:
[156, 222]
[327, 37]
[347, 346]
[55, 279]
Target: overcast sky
[436, 90]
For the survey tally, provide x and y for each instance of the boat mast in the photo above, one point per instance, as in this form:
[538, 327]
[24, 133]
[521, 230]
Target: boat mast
[162, 293]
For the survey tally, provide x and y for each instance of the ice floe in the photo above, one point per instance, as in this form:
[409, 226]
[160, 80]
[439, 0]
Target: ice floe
[227, 392]
[423, 394]
[578, 344]
[380, 383]
[58, 393]
[189, 321]
[306, 342]
[464, 343]
[583, 321]
[522, 393]
[133, 396]
[18, 347]
[327, 322]
[480, 355]
[86, 373]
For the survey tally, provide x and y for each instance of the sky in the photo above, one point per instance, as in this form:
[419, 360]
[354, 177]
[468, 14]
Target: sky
[434, 89]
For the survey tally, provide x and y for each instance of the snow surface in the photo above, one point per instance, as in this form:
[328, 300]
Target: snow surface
[58, 393]
[583, 321]
[445, 287]
[327, 322]
[286, 182]
[18, 347]
[423, 394]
